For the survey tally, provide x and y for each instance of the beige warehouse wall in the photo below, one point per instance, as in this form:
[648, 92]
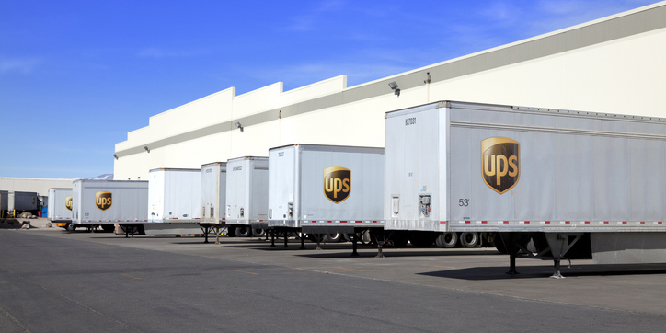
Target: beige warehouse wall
[39, 185]
[597, 66]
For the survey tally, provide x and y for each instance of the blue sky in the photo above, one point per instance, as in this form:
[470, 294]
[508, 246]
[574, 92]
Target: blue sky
[76, 76]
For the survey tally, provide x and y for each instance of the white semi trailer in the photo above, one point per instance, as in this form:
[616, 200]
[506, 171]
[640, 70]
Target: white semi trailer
[247, 195]
[108, 202]
[174, 200]
[553, 183]
[213, 194]
[321, 189]
[60, 207]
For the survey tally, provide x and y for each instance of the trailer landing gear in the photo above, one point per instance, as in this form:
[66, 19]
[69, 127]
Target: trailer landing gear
[354, 240]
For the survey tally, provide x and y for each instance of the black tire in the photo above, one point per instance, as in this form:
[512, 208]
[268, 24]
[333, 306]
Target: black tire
[231, 231]
[258, 232]
[108, 227]
[244, 231]
[447, 240]
[70, 227]
[333, 238]
[469, 239]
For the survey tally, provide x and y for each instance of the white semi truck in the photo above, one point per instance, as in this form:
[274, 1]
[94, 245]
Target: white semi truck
[60, 207]
[556, 184]
[322, 189]
[108, 202]
[247, 195]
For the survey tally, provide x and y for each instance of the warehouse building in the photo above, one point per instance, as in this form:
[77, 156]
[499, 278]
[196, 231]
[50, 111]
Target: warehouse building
[610, 65]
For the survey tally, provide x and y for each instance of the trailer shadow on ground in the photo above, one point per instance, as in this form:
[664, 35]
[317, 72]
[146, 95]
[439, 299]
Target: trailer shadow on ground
[539, 272]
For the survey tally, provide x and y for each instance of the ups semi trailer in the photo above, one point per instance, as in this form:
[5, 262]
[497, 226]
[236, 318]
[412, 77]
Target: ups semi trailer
[174, 200]
[60, 207]
[108, 202]
[323, 189]
[551, 184]
[247, 195]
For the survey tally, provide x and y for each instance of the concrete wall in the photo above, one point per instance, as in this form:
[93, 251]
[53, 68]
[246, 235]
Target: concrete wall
[610, 65]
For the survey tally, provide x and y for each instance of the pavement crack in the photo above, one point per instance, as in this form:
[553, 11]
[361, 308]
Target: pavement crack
[16, 321]
[65, 297]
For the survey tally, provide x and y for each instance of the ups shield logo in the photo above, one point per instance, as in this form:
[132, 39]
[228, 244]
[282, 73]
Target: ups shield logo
[69, 203]
[103, 200]
[337, 183]
[500, 163]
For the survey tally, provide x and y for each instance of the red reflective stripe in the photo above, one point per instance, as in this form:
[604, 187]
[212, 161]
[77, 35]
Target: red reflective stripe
[587, 222]
[526, 222]
[547, 222]
[484, 222]
[468, 222]
[343, 221]
[506, 222]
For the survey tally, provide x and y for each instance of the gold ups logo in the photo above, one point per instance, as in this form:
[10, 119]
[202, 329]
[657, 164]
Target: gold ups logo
[337, 183]
[103, 200]
[69, 203]
[500, 163]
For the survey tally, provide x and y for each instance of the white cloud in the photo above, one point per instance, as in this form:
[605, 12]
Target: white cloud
[22, 66]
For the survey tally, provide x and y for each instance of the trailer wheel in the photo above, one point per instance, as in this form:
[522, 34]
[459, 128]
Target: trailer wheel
[70, 227]
[259, 232]
[244, 231]
[448, 240]
[469, 239]
[333, 238]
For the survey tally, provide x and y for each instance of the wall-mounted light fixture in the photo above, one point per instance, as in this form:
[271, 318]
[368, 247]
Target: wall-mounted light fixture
[239, 126]
[116, 156]
[395, 88]
[146, 149]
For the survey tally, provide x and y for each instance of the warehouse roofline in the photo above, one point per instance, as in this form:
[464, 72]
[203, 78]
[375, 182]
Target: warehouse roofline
[622, 25]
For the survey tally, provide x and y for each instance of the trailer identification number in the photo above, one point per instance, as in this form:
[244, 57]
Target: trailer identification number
[410, 121]
[463, 202]
[238, 168]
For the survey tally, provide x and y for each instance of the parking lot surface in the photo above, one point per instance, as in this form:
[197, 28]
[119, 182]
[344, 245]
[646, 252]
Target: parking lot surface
[52, 280]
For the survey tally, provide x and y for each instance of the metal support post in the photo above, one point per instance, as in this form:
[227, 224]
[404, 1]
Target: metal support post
[354, 240]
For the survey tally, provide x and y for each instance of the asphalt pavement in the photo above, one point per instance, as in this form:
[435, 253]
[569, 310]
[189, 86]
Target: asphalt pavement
[56, 281]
